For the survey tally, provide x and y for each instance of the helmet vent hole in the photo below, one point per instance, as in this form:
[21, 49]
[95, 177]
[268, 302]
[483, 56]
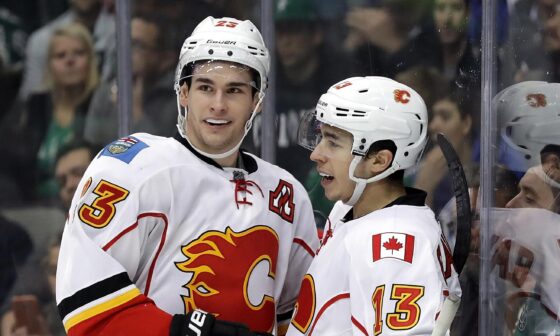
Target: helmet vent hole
[508, 131]
[405, 153]
[363, 140]
[528, 157]
[211, 51]
[410, 144]
[341, 115]
[229, 53]
[417, 116]
[363, 91]
[421, 128]
[251, 47]
[515, 119]
[361, 112]
[362, 147]
[342, 109]
[524, 147]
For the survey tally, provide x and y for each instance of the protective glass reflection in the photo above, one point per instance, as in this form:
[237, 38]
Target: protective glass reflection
[309, 132]
[524, 265]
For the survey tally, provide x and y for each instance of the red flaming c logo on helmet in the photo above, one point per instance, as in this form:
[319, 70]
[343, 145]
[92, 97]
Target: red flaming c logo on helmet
[402, 96]
[224, 279]
[536, 100]
[342, 85]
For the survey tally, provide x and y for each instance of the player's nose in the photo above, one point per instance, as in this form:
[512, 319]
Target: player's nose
[218, 103]
[317, 155]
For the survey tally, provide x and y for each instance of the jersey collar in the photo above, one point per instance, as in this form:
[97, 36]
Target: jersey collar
[249, 164]
[413, 197]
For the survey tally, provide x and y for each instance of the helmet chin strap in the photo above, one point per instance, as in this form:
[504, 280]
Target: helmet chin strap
[183, 120]
[361, 183]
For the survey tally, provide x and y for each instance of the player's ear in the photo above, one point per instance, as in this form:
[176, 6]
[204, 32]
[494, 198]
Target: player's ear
[183, 95]
[380, 161]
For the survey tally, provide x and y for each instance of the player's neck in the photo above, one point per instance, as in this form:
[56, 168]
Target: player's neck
[376, 196]
[230, 161]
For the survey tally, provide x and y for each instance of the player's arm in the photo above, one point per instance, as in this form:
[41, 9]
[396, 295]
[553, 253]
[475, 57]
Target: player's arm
[304, 246]
[100, 252]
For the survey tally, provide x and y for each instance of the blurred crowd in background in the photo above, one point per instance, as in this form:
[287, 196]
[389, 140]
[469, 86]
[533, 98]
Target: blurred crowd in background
[58, 98]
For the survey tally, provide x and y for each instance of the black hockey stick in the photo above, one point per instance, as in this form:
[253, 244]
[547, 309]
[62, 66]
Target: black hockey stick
[463, 236]
[462, 202]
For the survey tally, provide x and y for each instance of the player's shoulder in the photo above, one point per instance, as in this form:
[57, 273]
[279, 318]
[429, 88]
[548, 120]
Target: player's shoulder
[416, 221]
[136, 155]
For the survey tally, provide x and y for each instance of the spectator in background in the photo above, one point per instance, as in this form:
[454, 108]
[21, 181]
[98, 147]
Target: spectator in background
[534, 41]
[15, 247]
[389, 36]
[451, 115]
[304, 69]
[89, 13]
[455, 57]
[71, 163]
[153, 104]
[12, 51]
[39, 282]
[34, 133]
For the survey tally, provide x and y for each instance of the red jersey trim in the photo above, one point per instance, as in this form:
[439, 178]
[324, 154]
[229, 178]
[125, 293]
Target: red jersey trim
[359, 325]
[160, 247]
[327, 304]
[303, 244]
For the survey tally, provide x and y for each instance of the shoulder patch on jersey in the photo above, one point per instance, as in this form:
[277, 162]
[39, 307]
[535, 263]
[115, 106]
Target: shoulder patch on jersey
[281, 201]
[393, 245]
[124, 149]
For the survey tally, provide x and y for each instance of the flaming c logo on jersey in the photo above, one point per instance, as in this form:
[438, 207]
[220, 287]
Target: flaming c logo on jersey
[536, 100]
[232, 275]
[402, 96]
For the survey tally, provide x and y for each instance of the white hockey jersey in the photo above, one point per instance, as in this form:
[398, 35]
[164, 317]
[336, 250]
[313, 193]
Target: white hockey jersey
[386, 273]
[152, 220]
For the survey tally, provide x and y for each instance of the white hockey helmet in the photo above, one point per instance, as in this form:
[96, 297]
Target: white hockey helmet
[224, 39]
[371, 109]
[528, 116]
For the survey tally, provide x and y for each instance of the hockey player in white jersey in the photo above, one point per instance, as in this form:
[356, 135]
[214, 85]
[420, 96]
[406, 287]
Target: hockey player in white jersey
[163, 229]
[384, 267]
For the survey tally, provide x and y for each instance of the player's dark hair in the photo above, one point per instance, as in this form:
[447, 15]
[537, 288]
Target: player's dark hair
[188, 69]
[389, 145]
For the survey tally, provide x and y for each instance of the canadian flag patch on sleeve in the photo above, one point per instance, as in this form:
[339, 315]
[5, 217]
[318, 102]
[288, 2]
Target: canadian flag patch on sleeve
[393, 245]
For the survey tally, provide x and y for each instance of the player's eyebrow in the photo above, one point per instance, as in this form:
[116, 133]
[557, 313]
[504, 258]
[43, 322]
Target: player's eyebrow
[206, 80]
[330, 135]
[203, 80]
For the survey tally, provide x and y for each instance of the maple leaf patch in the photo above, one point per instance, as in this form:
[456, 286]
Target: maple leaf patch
[393, 245]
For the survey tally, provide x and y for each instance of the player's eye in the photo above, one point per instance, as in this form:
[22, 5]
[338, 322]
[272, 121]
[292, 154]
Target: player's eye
[235, 90]
[204, 88]
[332, 144]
